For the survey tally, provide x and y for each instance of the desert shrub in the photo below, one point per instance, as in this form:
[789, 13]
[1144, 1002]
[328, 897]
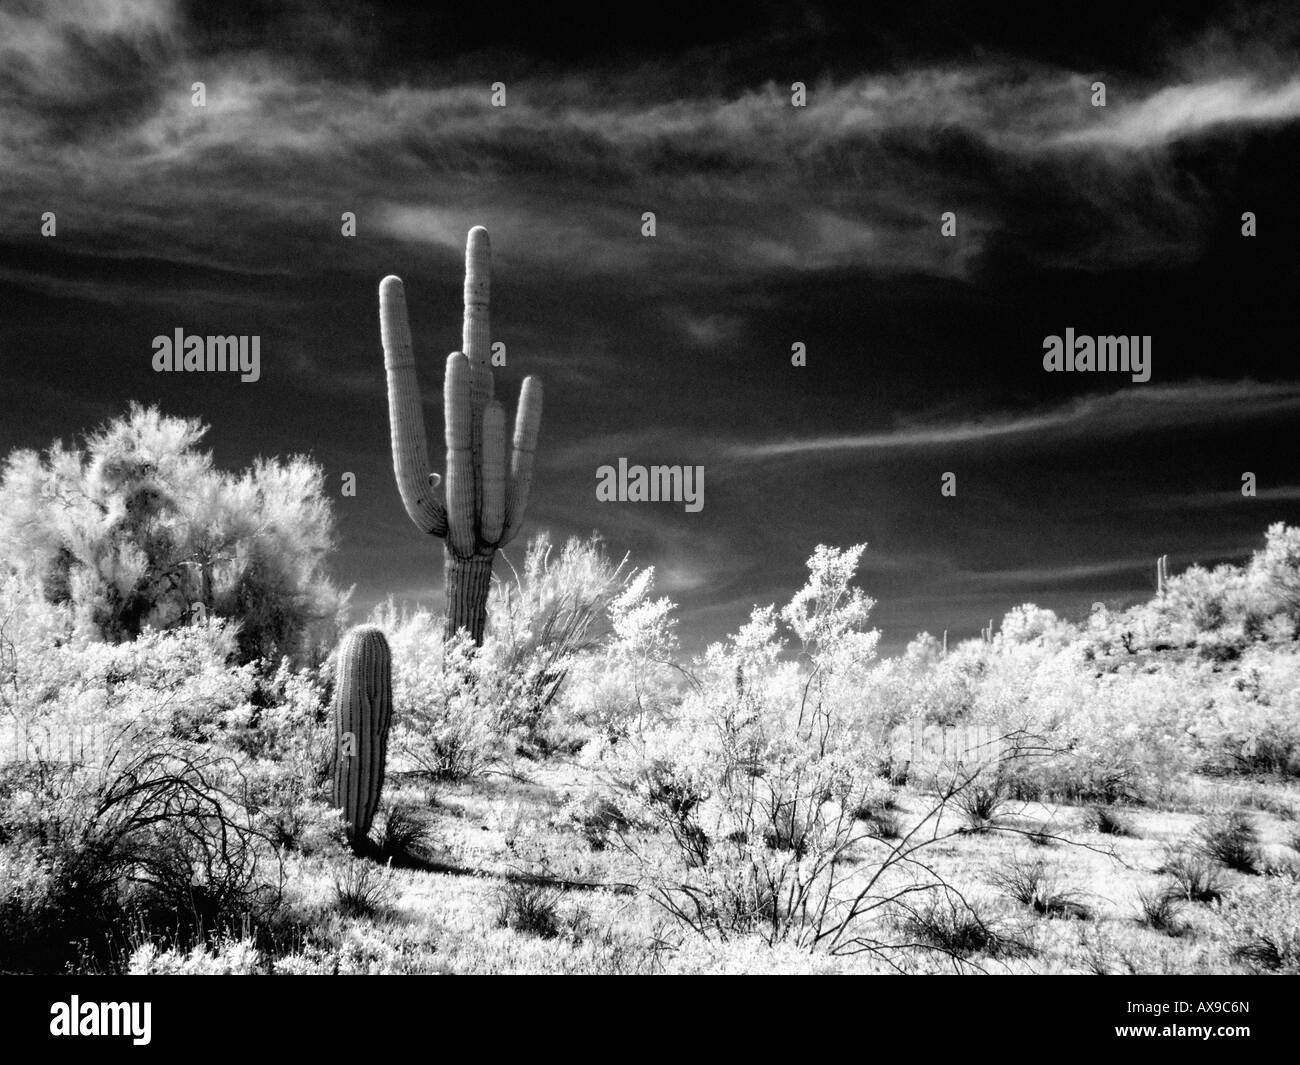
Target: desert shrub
[1224, 611]
[136, 526]
[598, 818]
[630, 677]
[160, 831]
[283, 739]
[755, 781]
[458, 708]
[74, 700]
[1034, 624]
[1096, 715]
[757, 776]
[226, 956]
[923, 685]
[41, 911]
[1231, 839]
[543, 621]
[444, 697]
[1273, 575]
[1206, 597]
[1194, 875]
[148, 784]
[1262, 923]
[1128, 740]
[529, 908]
[1253, 724]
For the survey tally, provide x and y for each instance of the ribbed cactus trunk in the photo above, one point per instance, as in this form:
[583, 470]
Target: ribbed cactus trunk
[485, 496]
[468, 582]
[363, 710]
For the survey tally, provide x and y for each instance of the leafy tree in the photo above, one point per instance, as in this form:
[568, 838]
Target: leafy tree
[136, 528]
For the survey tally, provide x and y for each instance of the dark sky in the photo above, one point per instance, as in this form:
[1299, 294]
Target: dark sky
[775, 224]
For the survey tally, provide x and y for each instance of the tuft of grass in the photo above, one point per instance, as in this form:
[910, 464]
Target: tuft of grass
[883, 823]
[1032, 884]
[532, 909]
[599, 820]
[363, 889]
[1109, 821]
[1264, 953]
[1158, 910]
[956, 928]
[981, 805]
[947, 928]
[402, 835]
[1230, 839]
[1104, 955]
[1194, 874]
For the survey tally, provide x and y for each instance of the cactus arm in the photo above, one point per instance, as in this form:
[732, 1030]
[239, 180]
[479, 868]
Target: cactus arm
[494, 473]
[405, 417]
[528, 420]
[461, 491]
[476, 337]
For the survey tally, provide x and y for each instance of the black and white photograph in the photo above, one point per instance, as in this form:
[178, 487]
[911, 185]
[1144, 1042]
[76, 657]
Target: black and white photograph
[794, 488]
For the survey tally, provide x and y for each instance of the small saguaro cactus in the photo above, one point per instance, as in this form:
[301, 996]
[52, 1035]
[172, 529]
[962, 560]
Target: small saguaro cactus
[363, 710]
[485, 496]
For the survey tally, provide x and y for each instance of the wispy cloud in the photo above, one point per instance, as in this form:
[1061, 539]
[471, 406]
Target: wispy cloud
[744, 184]
[1287, 493]
[1131, 409]
[1055, 576]
[1179, 111]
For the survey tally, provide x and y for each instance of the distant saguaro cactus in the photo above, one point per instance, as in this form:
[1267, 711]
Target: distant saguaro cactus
[485, 497]
[363, 710]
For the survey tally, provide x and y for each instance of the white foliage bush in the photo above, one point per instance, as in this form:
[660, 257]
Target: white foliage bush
[630, 677]
[757, 774]
[1253, 721]
[445, 697]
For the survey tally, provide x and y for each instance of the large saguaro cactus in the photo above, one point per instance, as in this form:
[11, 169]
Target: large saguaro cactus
[485, 497]
[363, 710]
